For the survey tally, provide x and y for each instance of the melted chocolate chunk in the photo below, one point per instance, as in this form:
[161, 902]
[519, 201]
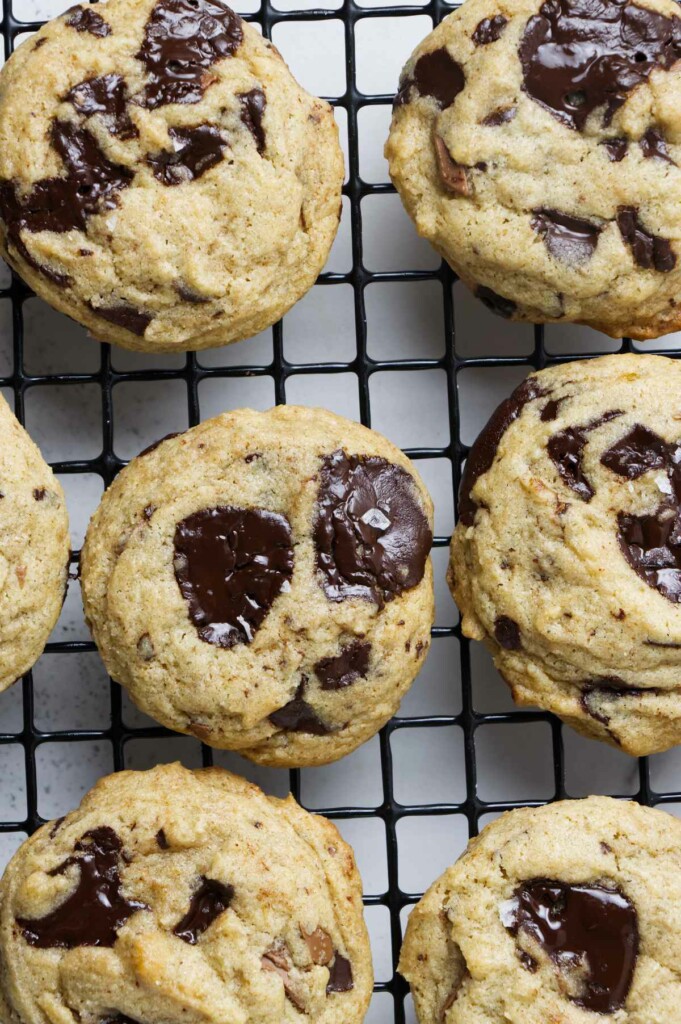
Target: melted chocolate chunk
[567, 238]
[371, 535]
[495, 302]
[590, 929]
[39, 493]
[340, 975]
[651, 545]
[86, 19]
[437, 75]
[277, 960]
[134, 320]
[162, 840]
[154, 445]
[182, 40]
[648, 250]
[483, 451]
[636, 453]
[507, 633]
[230, 565]
[195, 150]
[452, 175]
[653, 145]
[209, 901]
[253, 105]
[489, 30]
[501, 116]
[299, 716]
[91, 185]
[579, 55]
[615, 148]
[566, 449]
[606, 690]
[343, 670]
[550, 410]
[97, 908]
[107, 96]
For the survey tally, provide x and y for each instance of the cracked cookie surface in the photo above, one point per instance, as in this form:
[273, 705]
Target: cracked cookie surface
[34, 550]
[537, 146]
[180, 897]
[568, 912]
[263, 582]
[566, 560]
[164, 180]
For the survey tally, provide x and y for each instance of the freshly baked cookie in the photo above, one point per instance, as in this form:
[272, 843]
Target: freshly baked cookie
[566, 559]
[163, 178]
[263, 582]
[537, 145]
[183, 898]
[34, 549]
[569, 913]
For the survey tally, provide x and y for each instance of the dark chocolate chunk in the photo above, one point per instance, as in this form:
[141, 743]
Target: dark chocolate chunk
[436, 74]
[566, 449]
[483, 451]
[495, 302]
[371, 535]
[649, 251]
[652, 546]
[106, 96]
[91, 185]
[162, 840]
[345, 668]
[636, 453]
[209, 901]
[87, 19]
[568, 239]
[154, 445]
[589, 931]
[39, 493]
[597, 695]
[500, 116]
[489, 30]
[579, 55]
[195, 150]
[253, 105]
[452, 175]
[40, 42]
[134, 320]
[340, 975]
[299, 716]
[653, 144]
[550, 410]
[189, 295]
[230, 565]
[507, 633]
[97, 908]
[615, 148]
[182, 40]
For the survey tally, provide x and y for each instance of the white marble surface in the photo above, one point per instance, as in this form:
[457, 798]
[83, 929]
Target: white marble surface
[403, 321]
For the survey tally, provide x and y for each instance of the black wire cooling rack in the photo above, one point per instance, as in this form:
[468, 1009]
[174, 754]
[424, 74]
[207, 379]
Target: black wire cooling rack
[107, 464]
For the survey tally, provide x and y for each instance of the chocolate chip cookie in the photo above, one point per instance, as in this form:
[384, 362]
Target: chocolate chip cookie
[537, 146]
[566, 913]
[566, 559]
[163, 178]
[263, 582]
[34, 549]
[183, 897]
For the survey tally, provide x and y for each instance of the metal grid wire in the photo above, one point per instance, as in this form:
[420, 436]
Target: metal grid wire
[107, 464]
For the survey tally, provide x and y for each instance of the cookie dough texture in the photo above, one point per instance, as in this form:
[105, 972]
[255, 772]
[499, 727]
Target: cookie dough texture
[219, 905]
[465, 965]
[163, 178]
[275, 657]
[566, 560]
[537, 147]
[34, 549]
